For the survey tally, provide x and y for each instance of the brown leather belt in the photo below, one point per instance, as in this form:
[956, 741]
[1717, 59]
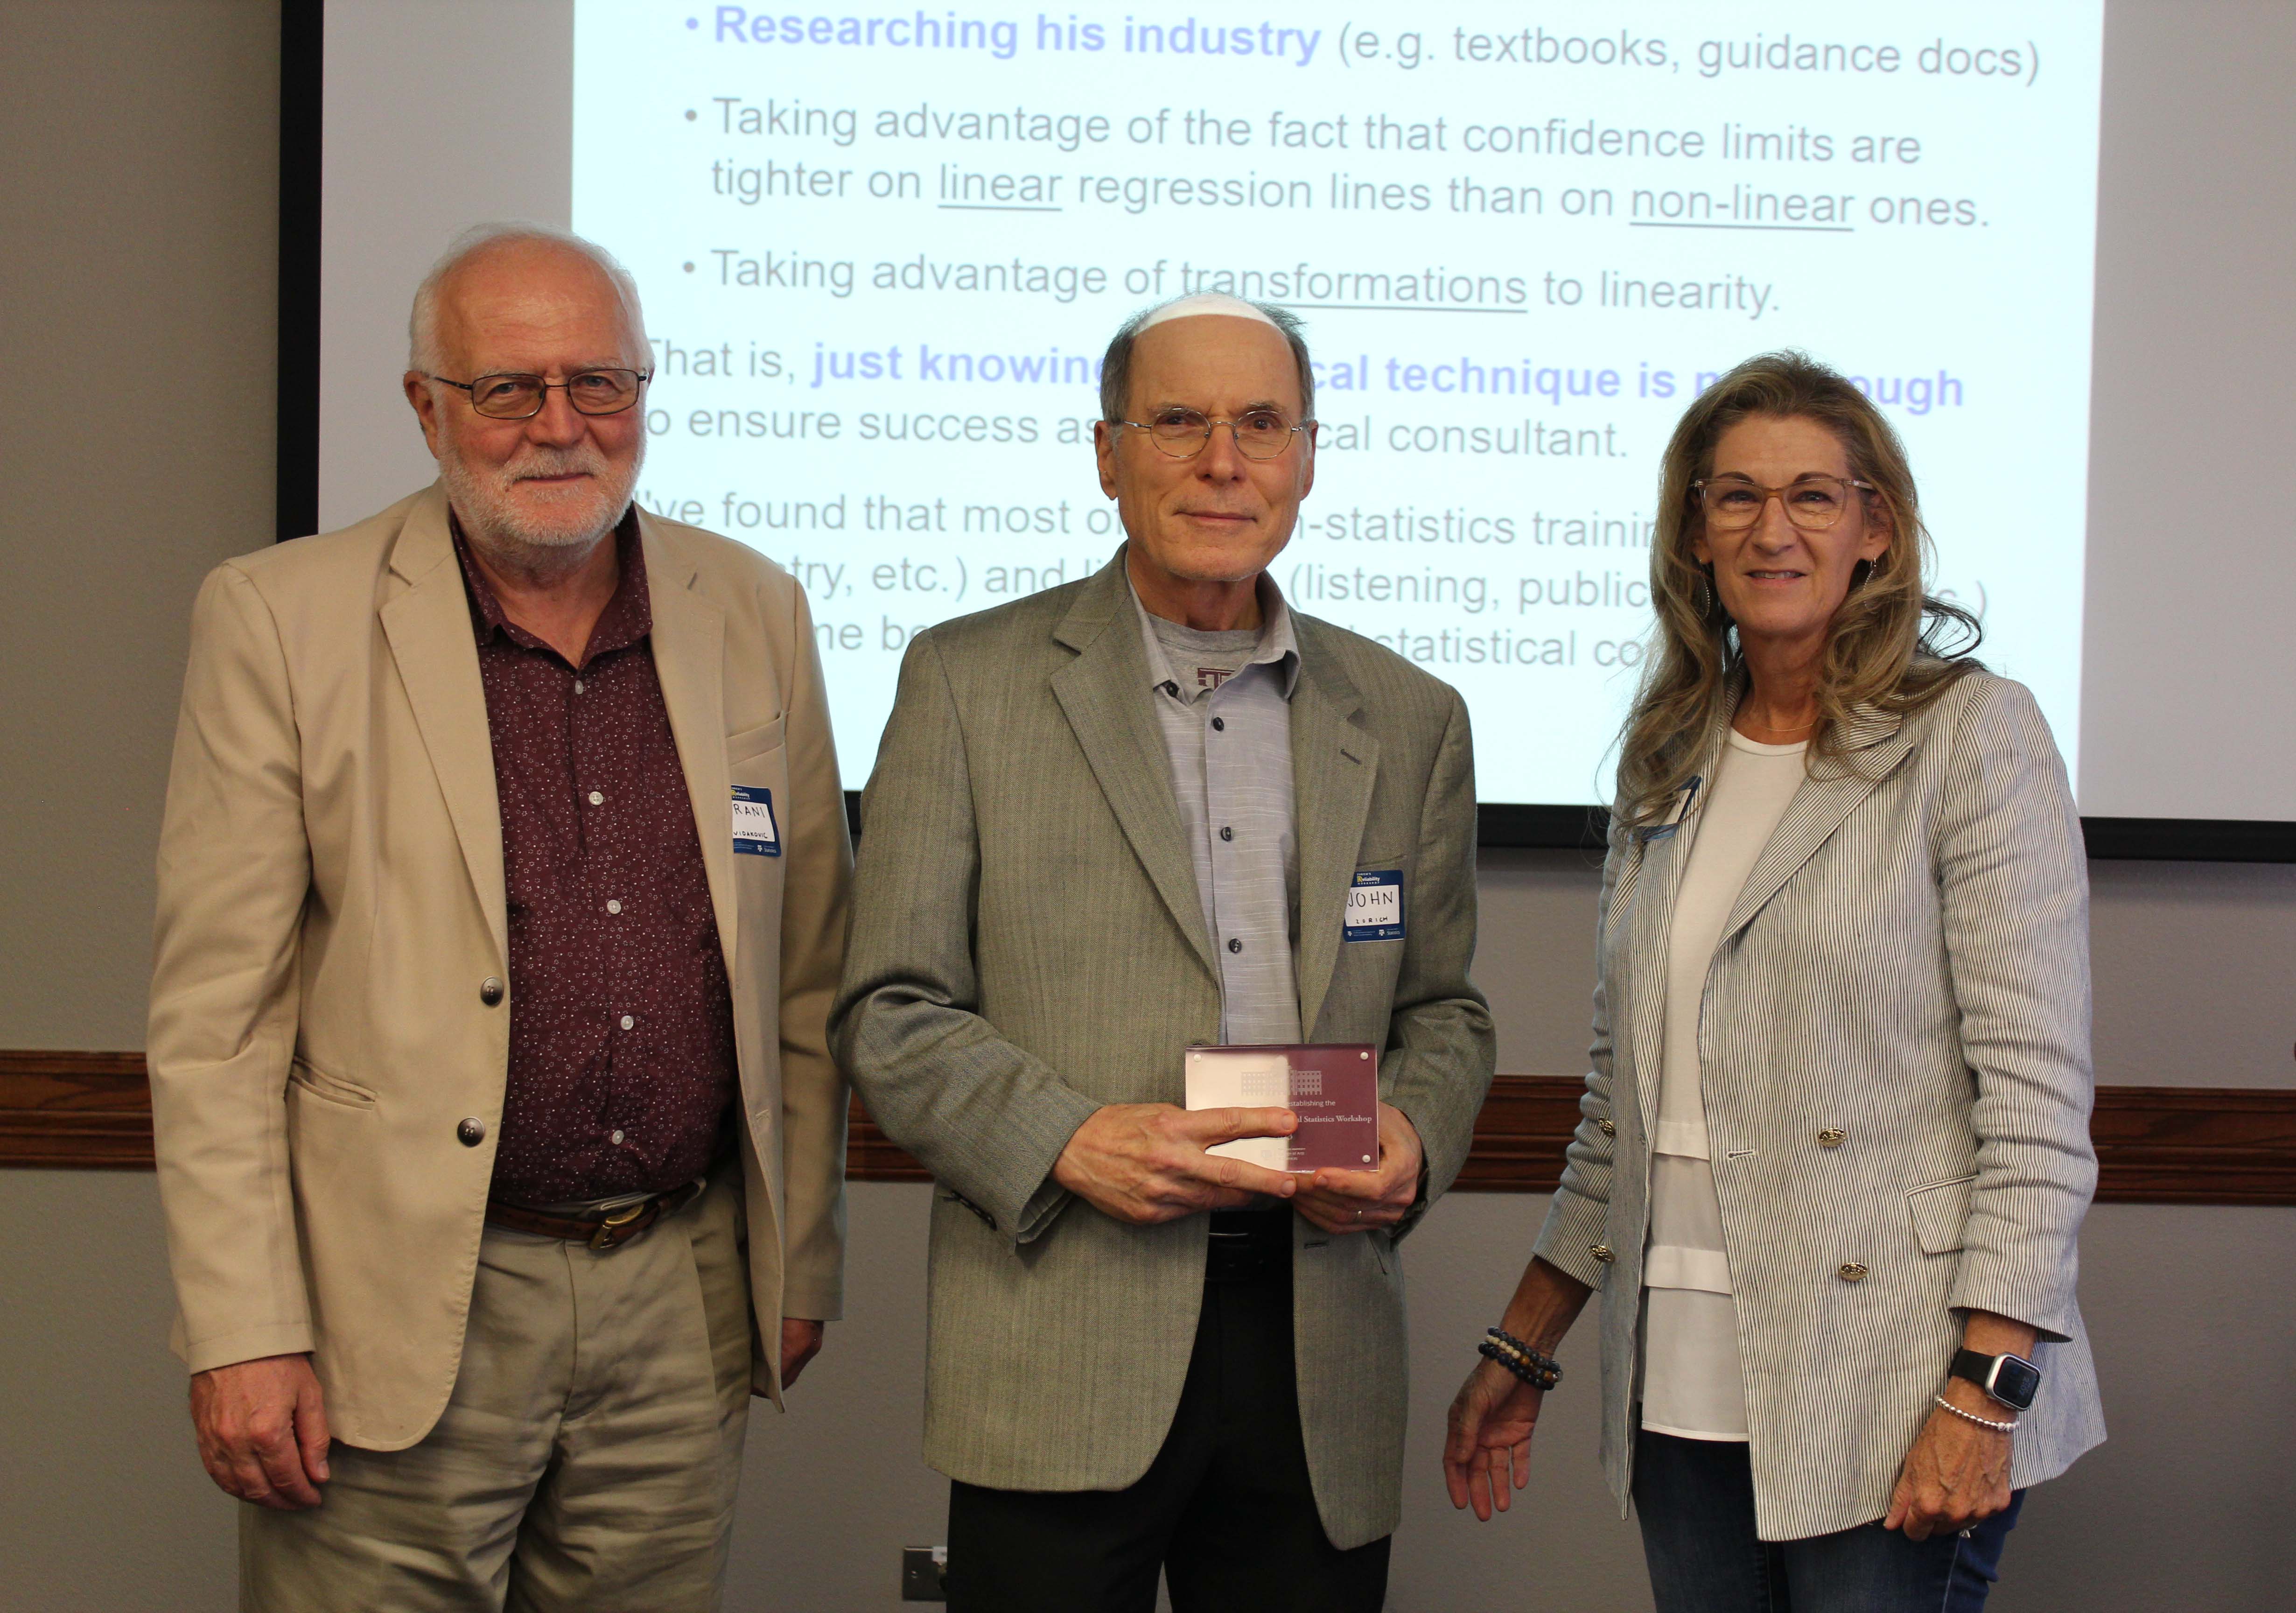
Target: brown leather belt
[606, 1230]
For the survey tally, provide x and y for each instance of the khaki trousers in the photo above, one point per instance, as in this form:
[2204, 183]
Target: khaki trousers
[586, 1461]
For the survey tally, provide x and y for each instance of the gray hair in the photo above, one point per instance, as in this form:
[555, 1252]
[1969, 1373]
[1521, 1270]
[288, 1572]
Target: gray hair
[1116, 369]
[422, 321]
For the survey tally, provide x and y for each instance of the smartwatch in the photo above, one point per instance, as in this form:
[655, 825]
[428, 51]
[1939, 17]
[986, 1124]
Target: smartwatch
[2010, 1379]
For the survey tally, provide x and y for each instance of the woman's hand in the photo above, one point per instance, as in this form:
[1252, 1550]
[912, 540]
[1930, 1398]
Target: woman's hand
[1956, 1474]
[1488, 1453]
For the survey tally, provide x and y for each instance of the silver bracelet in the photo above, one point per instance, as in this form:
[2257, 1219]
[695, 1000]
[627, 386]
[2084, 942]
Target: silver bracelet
[1983, 1422]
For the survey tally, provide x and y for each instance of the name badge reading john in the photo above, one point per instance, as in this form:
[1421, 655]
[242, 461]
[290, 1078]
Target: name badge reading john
[1374, 907]
[755, 833]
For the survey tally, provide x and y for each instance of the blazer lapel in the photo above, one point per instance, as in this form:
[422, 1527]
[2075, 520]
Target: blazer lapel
[689, 656]
[427, 622]
[1665, 855]
[1334, 764]
[1654, 916]
[1874, 745]
[1105, 694]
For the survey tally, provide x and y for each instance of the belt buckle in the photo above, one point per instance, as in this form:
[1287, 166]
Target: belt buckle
[615, 1227]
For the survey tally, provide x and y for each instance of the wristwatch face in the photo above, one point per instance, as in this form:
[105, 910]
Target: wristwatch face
[2016, 1381]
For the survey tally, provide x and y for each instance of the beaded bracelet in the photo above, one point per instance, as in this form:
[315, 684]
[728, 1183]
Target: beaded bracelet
[1544, 1363]
[1983, 1422]
[1541, 1372]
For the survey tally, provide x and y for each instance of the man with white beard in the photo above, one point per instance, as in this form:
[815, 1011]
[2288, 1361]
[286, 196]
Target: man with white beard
[502, 898]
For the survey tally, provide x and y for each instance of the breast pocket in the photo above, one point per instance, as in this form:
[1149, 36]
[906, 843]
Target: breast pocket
[757, 765]
[1377, 903]
[758, 819]
[750, 743]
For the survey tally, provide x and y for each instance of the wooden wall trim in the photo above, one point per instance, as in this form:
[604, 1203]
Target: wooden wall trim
[75, 1110]
[2155, 1145]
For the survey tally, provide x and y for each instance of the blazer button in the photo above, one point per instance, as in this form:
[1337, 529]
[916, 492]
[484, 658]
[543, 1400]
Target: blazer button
[471, 1131]
[1607, 1128]
[1602, 1252]
[490, 991]
[1831, 1137]
[1851, 1272]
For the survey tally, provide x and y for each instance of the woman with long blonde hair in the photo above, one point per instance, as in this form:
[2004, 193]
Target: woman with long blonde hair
[1835, 1148]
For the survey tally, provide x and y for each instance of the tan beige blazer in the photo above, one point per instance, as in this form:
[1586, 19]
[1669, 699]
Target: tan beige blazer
[330, 900]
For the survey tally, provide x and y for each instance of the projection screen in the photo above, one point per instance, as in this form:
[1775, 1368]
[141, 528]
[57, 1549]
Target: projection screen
[882, 250]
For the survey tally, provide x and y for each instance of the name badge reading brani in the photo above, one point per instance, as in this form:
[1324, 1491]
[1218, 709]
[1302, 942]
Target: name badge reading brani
[1374, 907]
[755, 833]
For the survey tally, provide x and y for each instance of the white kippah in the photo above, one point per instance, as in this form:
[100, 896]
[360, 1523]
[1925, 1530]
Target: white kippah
[1206, 303]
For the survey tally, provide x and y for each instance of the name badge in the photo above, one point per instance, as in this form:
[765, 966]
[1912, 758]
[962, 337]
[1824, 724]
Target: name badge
[755, 833]
[1374, 907]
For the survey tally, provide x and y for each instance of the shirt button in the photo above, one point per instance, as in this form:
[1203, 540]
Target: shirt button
[490, 991]
[1831, 1139]
[1607, 1128]
[1601, 1252]
[1220, 724]
[578, 685]
[1226, 833]
[1851, 1272]
[597, 798]
[1234, 945]
[617, 1137]
[629, 1023]
[471, 1132]
[613, 906]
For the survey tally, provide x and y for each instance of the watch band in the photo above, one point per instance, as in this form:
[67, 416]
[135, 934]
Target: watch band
[2011, 1380]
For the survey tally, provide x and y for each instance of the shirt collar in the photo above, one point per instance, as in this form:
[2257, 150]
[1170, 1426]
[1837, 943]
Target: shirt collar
[1278, 645]
[629, 615]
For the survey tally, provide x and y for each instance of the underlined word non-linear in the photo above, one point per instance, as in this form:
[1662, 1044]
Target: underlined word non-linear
[1669, 224]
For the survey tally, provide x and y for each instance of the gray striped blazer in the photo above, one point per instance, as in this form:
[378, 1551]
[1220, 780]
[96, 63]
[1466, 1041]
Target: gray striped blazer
[1027, 944]
[1907, 964]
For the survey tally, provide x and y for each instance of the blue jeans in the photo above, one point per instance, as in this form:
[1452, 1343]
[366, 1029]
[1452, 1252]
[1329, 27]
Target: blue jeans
[1695, 1498]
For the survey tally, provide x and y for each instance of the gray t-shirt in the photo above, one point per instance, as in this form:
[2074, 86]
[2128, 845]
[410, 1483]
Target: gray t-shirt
[1202, 662]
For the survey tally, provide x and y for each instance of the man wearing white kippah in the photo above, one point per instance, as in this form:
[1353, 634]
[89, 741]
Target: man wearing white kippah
[1110, 822]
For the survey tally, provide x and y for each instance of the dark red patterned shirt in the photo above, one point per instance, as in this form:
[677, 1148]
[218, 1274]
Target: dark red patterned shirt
[621, 1027]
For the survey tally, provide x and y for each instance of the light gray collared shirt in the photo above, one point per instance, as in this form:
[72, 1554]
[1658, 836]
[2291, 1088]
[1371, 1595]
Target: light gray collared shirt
[1223, 703]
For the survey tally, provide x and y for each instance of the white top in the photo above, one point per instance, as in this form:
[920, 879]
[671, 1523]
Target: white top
[1692, 1386]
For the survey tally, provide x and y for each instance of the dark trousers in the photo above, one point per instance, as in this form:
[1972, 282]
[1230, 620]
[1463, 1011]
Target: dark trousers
[1695, 1498]
[1226, 1510]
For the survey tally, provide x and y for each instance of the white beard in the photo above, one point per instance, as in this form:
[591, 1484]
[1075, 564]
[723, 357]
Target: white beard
[569, 523]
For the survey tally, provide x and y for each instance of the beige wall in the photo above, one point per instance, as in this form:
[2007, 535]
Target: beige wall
[137, 234]
[139, 229]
